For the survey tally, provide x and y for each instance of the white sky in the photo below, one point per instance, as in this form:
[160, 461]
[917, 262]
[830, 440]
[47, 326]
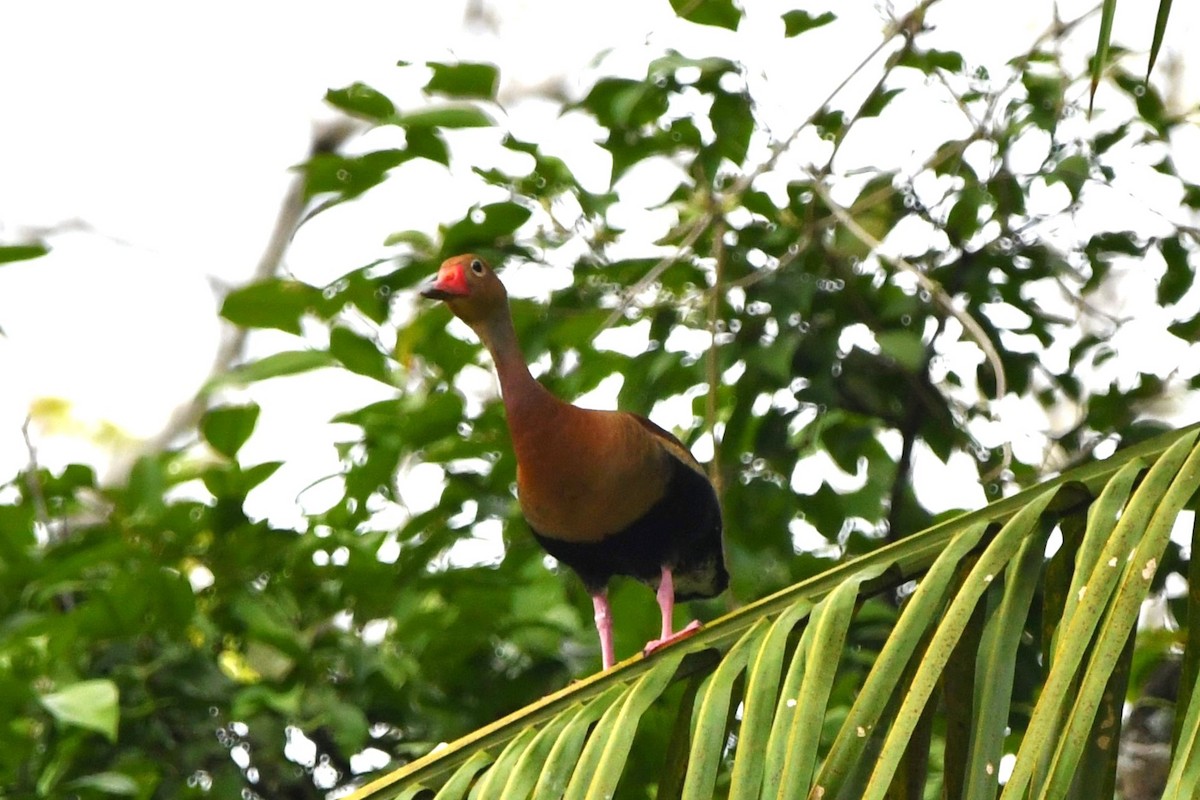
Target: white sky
[168, 130]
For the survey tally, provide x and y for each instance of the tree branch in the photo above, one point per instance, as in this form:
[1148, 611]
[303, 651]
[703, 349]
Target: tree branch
[326, 139]
[712, 362]
[33, 484]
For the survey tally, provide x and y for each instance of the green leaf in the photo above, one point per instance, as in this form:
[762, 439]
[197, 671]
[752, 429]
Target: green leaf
[258, 698]
[92, 705]
[1108, 9]
[350, 176]
[1183, 782]
[878, 100]
[1118, 624]
[875, 697]
[556, 770]
[427, 143]
[1075, 640]
[733, 122]
[360, 289]
[146, 485]
[253, 476]
[1096, 772]
[1072, 172]
[227, 428]
[464, 79]
[1179, 276]
[272, 622]
[274, 303]
[762, 694]
[929, 60]
[906, 658]
[1188, 329]
[446, 117]
[824, 634]
[1160, 28]
[719, 13]
[997, 663]
[483, 227]
[904, 346]
[963, 220]
[534, 760]
[419, 421]
[1045, 98]
[464, 776]
[1187, 710]
[362, 101]
[276, 365]
[1190, 667]
[1105, 141]
[358, 354]
[600, 766]
[799, 21]
[496, 778]
[107, 783]
[618, 103]
[1001, 550]
[351, 729]
[419, 241]
[829, 123]
[1150, 103]
[712, 715]
[19, 542]
[22, 252]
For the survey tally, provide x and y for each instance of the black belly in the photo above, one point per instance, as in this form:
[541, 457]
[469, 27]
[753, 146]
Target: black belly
[681, 531]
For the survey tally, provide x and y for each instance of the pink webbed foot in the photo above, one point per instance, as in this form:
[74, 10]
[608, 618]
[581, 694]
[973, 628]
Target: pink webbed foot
[656, 644]
[666, 604]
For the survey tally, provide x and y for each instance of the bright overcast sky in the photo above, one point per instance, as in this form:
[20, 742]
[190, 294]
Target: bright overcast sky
[165, 132]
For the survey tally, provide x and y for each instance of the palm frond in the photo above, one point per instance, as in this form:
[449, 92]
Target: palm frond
[757, 715]
[1108, 11]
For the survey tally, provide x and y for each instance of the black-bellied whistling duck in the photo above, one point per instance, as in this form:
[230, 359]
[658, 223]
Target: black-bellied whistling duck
[605, 492]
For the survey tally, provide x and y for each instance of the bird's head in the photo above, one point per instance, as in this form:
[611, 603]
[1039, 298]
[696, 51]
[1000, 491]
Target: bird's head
[470, 288]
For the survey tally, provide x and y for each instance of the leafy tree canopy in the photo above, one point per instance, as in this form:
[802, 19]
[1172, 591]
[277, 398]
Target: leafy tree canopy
[816, 312]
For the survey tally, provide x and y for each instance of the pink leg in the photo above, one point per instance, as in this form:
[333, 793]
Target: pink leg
[604, 627]
[666, 603]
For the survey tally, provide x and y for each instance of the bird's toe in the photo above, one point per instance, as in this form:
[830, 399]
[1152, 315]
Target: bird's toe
[657, 644]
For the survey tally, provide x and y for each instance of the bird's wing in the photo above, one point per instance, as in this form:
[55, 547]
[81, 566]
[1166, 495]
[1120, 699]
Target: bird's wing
[670, 443]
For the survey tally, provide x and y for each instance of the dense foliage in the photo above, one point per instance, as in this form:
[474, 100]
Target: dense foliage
[817, 320]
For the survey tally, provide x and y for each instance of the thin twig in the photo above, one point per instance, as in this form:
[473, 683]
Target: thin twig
[743, 184]
[901, 27]
[31, 480]
[697, 228]
[840, 139]
[1055, 32]
[784, 261]
[712, 363]
[66, 598]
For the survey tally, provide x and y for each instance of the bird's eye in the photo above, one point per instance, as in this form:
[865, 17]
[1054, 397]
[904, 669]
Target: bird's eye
[477, 267]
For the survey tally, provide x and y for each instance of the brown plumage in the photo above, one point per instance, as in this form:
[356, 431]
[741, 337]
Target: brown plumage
[605, 492]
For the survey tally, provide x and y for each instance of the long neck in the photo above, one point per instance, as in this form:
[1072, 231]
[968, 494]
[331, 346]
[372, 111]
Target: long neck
[525, 400]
